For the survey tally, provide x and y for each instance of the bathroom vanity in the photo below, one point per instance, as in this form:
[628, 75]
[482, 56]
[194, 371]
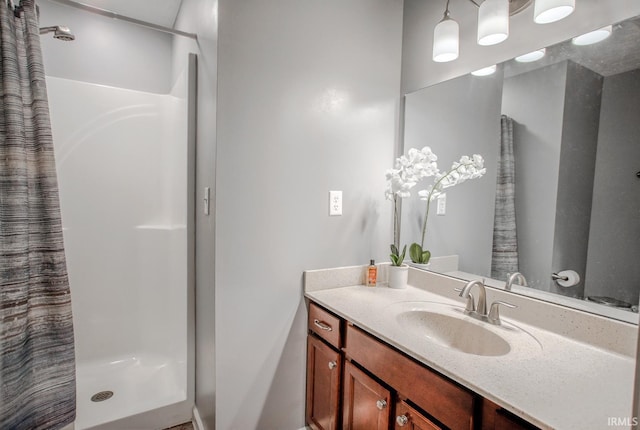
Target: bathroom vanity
[379, 358]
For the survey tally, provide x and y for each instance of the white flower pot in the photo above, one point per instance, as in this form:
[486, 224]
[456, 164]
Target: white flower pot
[398, 276]
[420, 266]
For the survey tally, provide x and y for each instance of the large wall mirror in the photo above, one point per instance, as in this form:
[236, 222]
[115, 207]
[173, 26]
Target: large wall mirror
[561, 140]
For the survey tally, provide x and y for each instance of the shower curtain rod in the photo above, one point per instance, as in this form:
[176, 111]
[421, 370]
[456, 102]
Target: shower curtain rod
[114, 15]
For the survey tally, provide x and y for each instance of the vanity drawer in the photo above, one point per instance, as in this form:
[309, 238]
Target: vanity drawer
[495, 417]
[325, 325]
[447, 402]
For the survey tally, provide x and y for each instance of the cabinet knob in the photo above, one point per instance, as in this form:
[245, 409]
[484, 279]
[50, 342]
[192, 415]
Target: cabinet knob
[402, 420]
[381, 404]
[332, 365]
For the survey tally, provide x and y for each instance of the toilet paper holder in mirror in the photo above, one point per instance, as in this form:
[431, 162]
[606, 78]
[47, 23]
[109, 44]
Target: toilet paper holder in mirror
[557, 277]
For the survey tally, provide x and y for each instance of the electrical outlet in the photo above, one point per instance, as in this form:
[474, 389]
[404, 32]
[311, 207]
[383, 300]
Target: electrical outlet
[335, 203]
[442, 204]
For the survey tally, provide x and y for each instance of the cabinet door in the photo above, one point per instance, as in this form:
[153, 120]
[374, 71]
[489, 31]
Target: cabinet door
[365, 402]
[410, 419]
[324, 366]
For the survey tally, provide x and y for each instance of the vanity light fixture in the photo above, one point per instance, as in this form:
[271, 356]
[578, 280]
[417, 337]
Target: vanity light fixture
[446, 38]
[547, 11]
[593, 36]
[531, 56]
[485, 71]
[493, 23]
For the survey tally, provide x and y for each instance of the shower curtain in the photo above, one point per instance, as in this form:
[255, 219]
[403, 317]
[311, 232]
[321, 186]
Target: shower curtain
[504, 258]
[37, 366]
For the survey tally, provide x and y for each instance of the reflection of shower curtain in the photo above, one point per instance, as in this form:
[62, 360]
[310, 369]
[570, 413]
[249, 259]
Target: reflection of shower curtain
[504, 258]
[37, 367]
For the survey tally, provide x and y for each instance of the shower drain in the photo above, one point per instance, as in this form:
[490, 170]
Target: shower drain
[102, 396]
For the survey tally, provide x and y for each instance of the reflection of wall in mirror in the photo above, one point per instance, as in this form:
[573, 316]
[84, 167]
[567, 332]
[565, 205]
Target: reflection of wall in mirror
[455, 118]
[575, 177]
[565, 107]
[614, 246]
[536, 139]
[556, 110]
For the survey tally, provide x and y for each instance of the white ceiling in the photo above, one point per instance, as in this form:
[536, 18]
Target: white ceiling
[161, 12]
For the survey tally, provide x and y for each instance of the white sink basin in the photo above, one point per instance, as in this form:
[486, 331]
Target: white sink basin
[448, 326]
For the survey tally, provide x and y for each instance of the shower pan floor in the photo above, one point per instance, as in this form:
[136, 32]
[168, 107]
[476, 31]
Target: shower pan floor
[139, 384]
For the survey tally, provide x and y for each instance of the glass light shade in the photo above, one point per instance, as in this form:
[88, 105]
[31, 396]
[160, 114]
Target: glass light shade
[485, 71]
[493, 22]
[446, 41]
[593, 36]
[546, 11]
[531, 56]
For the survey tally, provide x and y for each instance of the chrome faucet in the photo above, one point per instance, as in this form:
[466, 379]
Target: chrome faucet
[479, 311]
[481, 307]
[494, 314]
[517, 276]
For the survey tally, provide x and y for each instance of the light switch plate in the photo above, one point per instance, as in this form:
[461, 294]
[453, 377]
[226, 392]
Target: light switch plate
[206, 200]
[442, 204]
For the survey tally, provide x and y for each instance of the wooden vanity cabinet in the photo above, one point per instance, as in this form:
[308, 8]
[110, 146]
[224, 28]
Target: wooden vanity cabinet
[446, 401]
[324, 369]
[324, 366]
[366, 403]
[357, 382]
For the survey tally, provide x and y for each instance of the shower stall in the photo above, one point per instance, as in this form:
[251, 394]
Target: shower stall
[125, 161]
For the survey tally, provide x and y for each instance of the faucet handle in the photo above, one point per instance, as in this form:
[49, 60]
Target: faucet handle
[494, 313]
[471, 304]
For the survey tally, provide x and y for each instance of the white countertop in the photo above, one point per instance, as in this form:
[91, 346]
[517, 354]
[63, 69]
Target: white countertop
[560, 383]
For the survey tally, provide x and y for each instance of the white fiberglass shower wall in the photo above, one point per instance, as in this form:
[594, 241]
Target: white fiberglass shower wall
[121, 157]
[120, 134]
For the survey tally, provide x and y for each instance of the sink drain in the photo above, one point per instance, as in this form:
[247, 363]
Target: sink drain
[102, 396]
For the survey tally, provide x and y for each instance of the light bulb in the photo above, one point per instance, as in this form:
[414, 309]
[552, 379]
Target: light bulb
[546, 11]
[493, 22]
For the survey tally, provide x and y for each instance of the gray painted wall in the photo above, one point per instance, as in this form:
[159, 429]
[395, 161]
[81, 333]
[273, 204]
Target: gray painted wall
[535, 101]
[106, 51]
[458, 117]
[308, 96]
[614, 246]
[575, 176]
[420, 17]
[200, 17]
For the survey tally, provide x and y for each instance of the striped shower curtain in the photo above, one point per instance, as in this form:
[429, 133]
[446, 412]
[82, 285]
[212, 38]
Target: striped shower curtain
[504, 258]
[37, 366]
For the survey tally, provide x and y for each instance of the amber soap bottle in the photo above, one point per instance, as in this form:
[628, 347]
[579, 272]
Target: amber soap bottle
[372, 274]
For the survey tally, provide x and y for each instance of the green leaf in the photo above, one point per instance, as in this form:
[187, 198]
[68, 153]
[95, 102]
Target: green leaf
[401, 256]
[394, 259]
[426, 256]
[415, 252]
[418, 255]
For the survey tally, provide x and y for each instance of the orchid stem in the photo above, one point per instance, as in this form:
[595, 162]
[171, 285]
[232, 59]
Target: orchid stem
[396, 239]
